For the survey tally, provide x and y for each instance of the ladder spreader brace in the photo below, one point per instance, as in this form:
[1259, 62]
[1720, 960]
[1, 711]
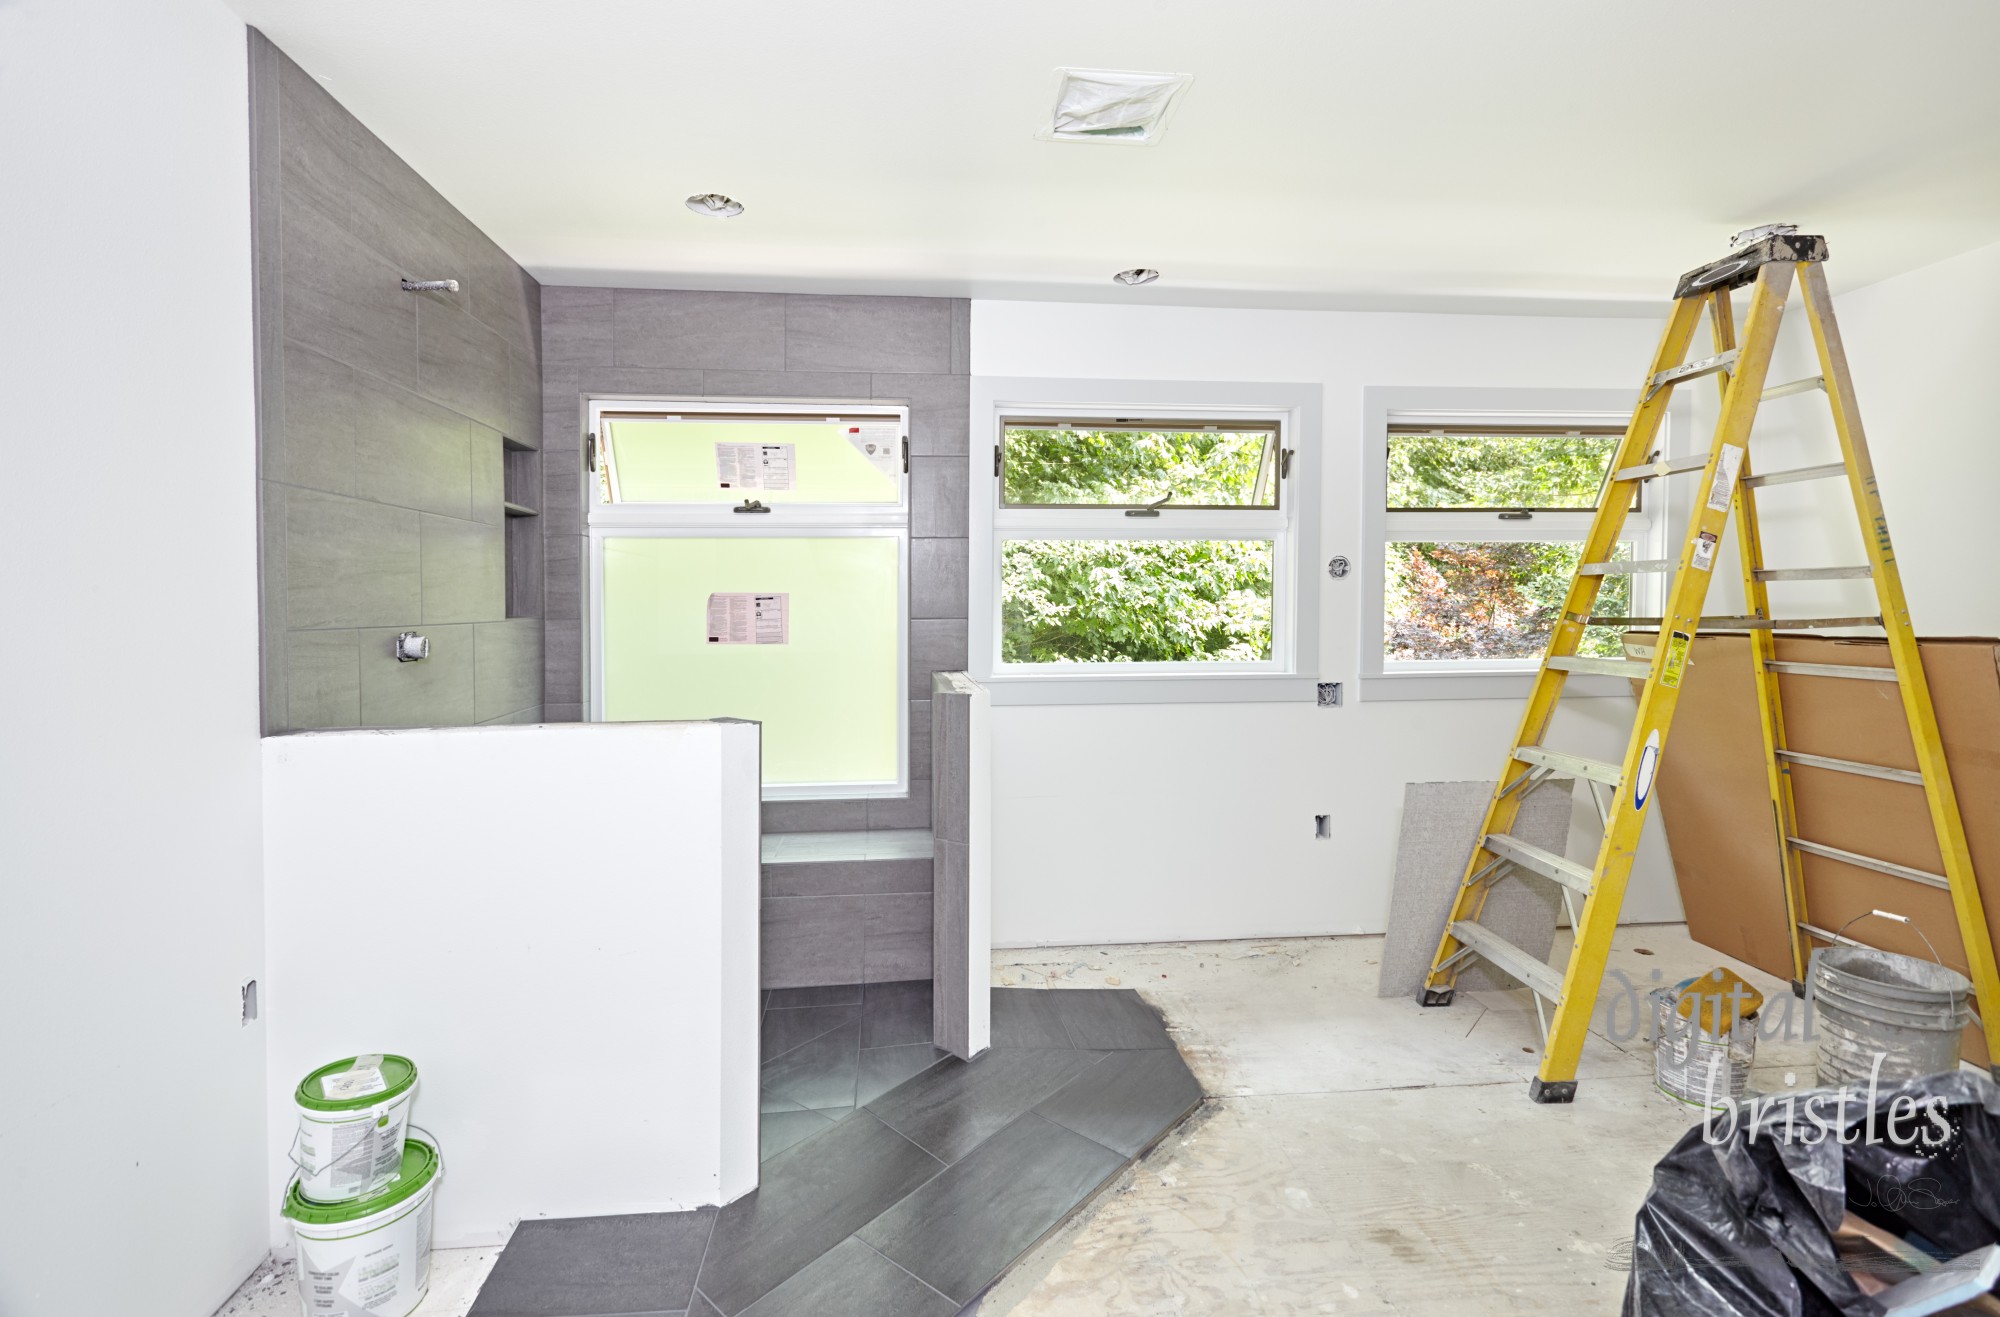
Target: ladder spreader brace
[1768, 261]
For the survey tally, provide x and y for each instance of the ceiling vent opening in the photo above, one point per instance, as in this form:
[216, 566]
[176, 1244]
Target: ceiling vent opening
[1104, 105]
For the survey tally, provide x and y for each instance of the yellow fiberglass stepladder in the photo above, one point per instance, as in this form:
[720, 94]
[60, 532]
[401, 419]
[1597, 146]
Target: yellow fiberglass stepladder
[1767, 260]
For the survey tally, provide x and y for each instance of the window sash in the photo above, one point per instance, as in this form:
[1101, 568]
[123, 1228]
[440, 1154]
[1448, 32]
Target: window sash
[1270, 466]
[1508, 431]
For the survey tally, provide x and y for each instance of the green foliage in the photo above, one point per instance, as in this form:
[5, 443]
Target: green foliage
[1497, 471]
[1130, 467]
[1135, 601]
[1488, 600]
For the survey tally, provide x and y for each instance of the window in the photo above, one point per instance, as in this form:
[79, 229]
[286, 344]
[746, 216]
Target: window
[749, 561]
[1142, 544]
[1484, 529]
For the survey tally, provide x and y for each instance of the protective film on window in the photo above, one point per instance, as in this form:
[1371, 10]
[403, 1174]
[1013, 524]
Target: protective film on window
[1183, 464]
[771, 459]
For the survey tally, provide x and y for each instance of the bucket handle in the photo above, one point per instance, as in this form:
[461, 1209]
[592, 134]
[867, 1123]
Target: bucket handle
[1904, 920]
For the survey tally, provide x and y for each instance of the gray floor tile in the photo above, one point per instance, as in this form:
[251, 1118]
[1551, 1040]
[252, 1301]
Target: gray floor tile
[883, 1068]
[1110, 1018]
[1027, 1017]
[853, 1281]
[598, 1265]
[963, 1228]
[781, 1129]
[701, 1307]
[951, 1109]
[820, 1073]
[1127, 1100]
[893, 1014]
[811, 1197]
[845, 994]
[789, 1027]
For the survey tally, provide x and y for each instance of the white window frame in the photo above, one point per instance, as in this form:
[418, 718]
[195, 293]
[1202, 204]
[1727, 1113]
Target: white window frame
[1469, 409]
[784, 521]
[1291, 671]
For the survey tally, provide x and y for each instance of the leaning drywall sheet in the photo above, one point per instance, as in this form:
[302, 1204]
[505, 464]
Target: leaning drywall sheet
[1440, 824]
[1715, 802]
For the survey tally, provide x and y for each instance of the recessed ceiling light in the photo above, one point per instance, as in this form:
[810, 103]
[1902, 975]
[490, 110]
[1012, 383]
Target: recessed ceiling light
[1104, 105]
[714, 205]
[1134, 277]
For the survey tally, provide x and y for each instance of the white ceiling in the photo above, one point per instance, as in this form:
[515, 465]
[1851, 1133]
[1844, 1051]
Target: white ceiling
[1469, 154]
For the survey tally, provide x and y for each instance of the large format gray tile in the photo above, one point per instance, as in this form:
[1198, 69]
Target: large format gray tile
[507, 672]
[811, 940]
[489, 473]
[1110, 1018]
[896, 936]
[322, 409]
[410, 452]
[603, 1266]
[964, 1227]
[955, 1107]
[831, 994]
[940, 410]
[810, 1198]
[464, 570]
[936, 645]
[906, 813]
[937, 578]
[349, 563]
[701, 330]
[831, 385]
[951, 762]
[838, 877]
[779, 1130]
[961, 336]
[500, 294]
[788, 1027]
[341, 298]
[1126, 1101]
[701, 1307]
[900, 334]
[576, 331]
[938, 498]
[1027, 1017]
[322, 680]
[920, 739]
[819, 1075]
[464, 365]
[885, 1068]
[670, 381]
[781, 816]
[896, 1013]
[433, 692]
[853, 1280]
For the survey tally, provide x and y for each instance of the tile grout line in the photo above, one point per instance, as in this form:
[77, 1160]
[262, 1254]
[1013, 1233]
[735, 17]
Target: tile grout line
[900, 1267]
[694, 1289]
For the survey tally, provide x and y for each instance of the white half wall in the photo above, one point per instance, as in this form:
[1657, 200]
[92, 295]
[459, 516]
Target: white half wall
[1120, 823]
[558, 924]
[130, 893]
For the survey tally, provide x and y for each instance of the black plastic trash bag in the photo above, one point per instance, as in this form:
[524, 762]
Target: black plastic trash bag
[1742, 1214]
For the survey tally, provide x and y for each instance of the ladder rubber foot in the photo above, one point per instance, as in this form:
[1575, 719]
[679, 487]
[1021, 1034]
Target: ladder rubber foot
[1799, 989]
[1436, 996]
[1548, 1091]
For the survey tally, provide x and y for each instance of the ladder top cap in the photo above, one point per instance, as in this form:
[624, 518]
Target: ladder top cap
[1740, 267]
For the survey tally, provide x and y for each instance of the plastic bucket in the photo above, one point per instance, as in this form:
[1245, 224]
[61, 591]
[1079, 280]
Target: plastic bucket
[372, 1255]
[1871, 1004]
[351, 1125]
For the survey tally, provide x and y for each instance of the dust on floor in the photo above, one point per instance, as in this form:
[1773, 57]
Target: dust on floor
[456, 1275]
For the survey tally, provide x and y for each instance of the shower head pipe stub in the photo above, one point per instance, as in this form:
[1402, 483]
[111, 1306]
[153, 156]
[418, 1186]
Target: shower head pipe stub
[430, 285]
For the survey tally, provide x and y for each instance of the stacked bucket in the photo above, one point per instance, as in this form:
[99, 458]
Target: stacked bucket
[360, 1202]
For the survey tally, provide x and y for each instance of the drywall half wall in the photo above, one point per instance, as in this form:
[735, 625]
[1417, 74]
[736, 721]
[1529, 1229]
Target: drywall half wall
[557, 923]
[1123, 823]
[131, 1125]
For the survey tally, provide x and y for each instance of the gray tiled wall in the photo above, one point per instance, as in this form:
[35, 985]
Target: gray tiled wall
[914, 350]
[392, 427]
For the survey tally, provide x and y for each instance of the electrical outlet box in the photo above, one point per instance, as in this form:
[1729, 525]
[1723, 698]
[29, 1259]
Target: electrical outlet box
[1329, 695]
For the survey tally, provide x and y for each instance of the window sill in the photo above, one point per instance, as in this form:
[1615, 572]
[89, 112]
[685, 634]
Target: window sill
[1481, 686]
[1154, 688]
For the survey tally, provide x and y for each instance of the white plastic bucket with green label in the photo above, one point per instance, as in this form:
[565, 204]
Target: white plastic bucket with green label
[352, 1115]
[370, 1257]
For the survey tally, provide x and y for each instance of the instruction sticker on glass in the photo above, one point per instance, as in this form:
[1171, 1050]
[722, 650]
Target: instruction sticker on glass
[1677, 658]
[1704, 551]
[755, 466]
[1725, 477]
[749, 619]
[882, 445]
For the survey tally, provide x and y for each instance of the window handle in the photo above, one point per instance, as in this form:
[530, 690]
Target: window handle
[1522, 515]
[750, 505]
[1142, 512]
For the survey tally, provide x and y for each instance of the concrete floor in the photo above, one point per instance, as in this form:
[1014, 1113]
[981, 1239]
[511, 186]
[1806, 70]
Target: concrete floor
[1358, 1155]
[1362, 1155]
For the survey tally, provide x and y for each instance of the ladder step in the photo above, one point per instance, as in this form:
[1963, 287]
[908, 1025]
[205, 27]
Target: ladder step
[1654, 470]
[1746, 623]
[1567, 872]
[1827, 472]
[1869, 862]
[1908, 775]
[1832, 670]
[1814, 573]
[1510, 958]
[1693, 370]
[1602, 667]
[1575, 765]
[1796, 386]
[1627, 568]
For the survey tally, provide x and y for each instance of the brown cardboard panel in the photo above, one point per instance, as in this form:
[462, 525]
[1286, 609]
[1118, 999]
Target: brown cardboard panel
[1720, 825]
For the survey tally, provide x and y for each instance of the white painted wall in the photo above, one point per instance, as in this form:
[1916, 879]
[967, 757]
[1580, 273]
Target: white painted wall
[129, 812]
[1141, 822]
[557, 923]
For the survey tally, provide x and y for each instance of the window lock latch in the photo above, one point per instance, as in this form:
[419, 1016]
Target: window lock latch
[750, 505]
[1522, 515]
